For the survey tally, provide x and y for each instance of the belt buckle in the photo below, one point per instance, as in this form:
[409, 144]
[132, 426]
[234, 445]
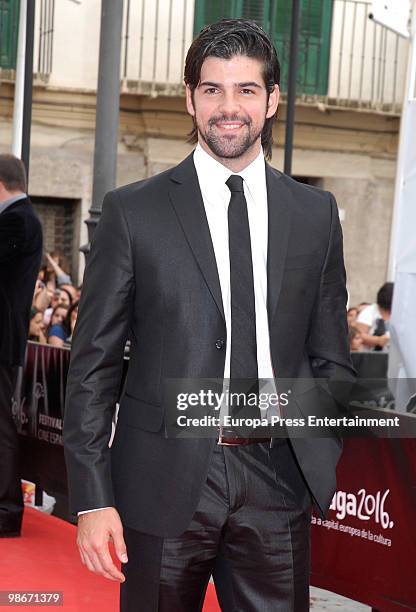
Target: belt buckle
[221, 442]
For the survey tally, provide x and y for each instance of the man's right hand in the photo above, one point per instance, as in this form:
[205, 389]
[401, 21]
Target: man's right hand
[95, 530]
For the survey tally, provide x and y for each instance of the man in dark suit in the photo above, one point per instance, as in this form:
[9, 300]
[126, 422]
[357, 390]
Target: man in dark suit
[221, 268]
[20, 258]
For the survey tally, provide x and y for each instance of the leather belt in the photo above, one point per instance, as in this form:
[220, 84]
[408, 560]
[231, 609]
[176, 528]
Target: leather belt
[225, 441]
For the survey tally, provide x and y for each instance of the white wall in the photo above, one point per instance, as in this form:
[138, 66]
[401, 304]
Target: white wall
[75, 43]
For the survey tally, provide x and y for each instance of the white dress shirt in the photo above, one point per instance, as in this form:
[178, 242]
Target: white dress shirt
[216, 196]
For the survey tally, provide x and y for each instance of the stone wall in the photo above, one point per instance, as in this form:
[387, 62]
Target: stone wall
[366, 207]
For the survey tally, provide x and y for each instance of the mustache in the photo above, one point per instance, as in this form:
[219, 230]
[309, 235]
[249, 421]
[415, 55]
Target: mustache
[218, 118]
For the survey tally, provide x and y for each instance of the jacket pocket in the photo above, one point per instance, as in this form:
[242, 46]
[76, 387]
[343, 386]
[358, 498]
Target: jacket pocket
[135, 412]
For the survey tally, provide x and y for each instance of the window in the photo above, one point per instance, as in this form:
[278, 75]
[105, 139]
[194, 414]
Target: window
[275, 16]
[9, 26]
[59, 218]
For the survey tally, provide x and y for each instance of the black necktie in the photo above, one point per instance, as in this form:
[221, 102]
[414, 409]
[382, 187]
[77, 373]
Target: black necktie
[243, 366]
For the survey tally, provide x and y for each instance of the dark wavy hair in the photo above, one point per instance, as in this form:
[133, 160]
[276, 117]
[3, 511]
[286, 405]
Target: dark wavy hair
[225, 39]
[385, 296]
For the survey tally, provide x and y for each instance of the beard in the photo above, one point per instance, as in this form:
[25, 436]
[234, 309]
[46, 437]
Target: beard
[230, 146]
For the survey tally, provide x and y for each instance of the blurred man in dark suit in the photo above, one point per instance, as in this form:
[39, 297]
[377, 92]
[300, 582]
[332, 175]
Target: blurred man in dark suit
[20, 258]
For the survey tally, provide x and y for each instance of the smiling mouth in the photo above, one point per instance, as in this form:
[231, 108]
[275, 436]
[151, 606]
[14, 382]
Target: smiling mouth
[229, 126]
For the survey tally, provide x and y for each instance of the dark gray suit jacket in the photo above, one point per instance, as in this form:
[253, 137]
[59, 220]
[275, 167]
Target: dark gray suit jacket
[152, 277]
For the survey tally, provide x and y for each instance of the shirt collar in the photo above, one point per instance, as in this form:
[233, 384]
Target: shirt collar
[216, 173]
[254, 174]
[10, 201]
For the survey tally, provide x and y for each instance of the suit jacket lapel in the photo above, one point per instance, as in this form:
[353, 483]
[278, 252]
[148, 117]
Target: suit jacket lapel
[186, 198]
[278, 201]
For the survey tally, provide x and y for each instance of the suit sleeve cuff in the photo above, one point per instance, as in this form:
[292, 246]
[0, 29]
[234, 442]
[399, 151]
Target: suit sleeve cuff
[93, 510]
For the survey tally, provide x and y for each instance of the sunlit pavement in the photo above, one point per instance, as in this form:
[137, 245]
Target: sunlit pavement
[325, 600]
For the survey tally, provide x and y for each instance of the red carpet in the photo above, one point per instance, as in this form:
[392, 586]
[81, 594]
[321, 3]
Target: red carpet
[45, 558]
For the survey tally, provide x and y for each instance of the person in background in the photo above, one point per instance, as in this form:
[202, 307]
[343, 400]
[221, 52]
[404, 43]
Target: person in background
[55, 269]
[47, 276]
[60, 297]
[355, 340]
[36, 327]
[70, 321]
[56, 332]
[65, 298]
[71, 290]
[53, 303]
[362, 305]
[46, 300]
[20, 259]
[352, 314]
[373, 320]
[41, 299]
[63, 280]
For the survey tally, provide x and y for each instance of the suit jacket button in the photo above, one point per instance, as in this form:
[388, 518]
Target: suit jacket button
[219, 344]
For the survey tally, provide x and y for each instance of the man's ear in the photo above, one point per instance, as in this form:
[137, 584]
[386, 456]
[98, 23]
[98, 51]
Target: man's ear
[273, 102]
[189, 102]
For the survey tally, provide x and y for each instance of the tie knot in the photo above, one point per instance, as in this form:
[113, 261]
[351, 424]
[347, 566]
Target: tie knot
[235, 184]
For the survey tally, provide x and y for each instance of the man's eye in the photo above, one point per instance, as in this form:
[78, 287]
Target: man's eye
[211, 90]
[247, 91]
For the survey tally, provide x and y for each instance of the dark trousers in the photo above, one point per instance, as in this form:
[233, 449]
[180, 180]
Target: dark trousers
[253, 520]
[11, 498]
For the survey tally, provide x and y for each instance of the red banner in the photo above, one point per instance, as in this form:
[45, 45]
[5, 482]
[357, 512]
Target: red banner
[366, 548]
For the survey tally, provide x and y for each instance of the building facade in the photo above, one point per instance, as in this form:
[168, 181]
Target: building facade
[350, 89]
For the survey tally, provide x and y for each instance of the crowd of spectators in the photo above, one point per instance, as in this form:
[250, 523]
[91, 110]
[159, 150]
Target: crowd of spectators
[55, 303]
[369, 323]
